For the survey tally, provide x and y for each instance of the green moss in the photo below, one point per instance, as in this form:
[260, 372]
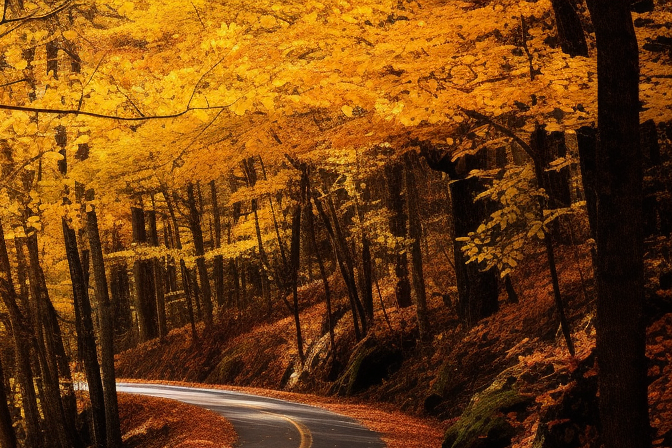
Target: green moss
[227, 370]
[482, 423]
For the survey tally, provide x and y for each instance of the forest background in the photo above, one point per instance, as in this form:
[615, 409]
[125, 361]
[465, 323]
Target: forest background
[402, 167]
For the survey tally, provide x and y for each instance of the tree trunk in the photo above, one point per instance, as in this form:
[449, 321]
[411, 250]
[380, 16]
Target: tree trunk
[106, 333]
[477, 290]
[394, 174]
[158, 277]
[51, 355]
[184, 272]
[349, 282]
[295, 258]
[539, 144]
[570, 30]
[323, 274]
[144, 281]
[621, 325]
[219, 259]
[86, 333]
[7, 435]
[415, 233]
[196, 231]
[21, 339]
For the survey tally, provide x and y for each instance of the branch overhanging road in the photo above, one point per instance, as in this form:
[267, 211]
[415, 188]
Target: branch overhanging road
[263, 422]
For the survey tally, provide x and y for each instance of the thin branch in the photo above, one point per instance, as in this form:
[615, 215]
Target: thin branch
[503, 129]
[198, 15]
[32, 16]
[193, 92]
[81, 97]
[13, 82]
[110, 117]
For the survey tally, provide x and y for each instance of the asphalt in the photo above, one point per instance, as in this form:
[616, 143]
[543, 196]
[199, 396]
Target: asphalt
[263, 422]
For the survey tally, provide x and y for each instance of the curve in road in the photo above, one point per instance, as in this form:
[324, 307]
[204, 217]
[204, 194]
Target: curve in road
[263, 422]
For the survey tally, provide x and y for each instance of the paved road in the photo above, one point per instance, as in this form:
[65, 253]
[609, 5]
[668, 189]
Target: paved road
[263, 422]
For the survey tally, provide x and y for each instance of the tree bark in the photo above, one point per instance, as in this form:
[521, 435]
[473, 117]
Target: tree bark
[7, 435]
[394, 173]
[106, 333]
[570, 30]
[219, 259]
[477, 289]
[21, 339]
[196, 231]
[415, 234]
[184, 272]
[144, 281]
[86, 333]
[158, 277]
[295, 259]
[621, 325]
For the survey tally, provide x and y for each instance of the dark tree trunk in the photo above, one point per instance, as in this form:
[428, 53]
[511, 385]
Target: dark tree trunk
[394, 173]
[106, 333]
[121, 300]
[510, 290]
[323, 274]
[415, 234]
[349, 282]
[570, 30]
[51, 355]
[349, 264]
[86, 333]
[621, 325]
[184, 272]
[477, 290]
[539, 145]
[158, 277]
[295, 259]
[7, 435]
[196, 231]
[21, 339]
[144, 281]
[587, 142]
[219, 259]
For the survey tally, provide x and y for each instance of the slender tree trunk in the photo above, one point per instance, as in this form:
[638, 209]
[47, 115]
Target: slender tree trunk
[219, 259]
[310, 221]
[184, 272]
[349, 282]
[144, 282]
[195, 226]
[88, 337]
[394, 174]
[51, 355]
[621, 324]
[106, 333]
[415, 233]
[7, 435]
[21, 339]
[570, 30]
[158, 277]
[295, 257]
[539, 145]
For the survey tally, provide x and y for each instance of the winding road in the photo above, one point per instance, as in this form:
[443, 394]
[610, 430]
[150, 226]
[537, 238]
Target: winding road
[263, 422]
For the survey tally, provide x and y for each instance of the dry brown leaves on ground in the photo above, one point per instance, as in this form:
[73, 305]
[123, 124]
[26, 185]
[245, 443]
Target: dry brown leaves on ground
[148, 422]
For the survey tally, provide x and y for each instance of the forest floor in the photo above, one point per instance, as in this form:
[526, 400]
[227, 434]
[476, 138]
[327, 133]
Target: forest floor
[513, 368]
[148, 422]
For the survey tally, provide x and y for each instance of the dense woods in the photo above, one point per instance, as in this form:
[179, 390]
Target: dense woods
[461, 208]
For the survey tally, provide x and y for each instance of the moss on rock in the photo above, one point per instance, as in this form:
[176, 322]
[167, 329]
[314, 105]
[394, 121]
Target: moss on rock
[483, 424]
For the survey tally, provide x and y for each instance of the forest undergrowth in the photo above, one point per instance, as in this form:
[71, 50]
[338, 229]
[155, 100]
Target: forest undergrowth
[519, 349]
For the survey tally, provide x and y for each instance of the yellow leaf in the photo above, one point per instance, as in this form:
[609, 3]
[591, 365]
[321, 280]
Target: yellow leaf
[347, 111]
[267, 21]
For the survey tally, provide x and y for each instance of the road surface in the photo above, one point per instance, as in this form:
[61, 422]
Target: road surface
[263, 422]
